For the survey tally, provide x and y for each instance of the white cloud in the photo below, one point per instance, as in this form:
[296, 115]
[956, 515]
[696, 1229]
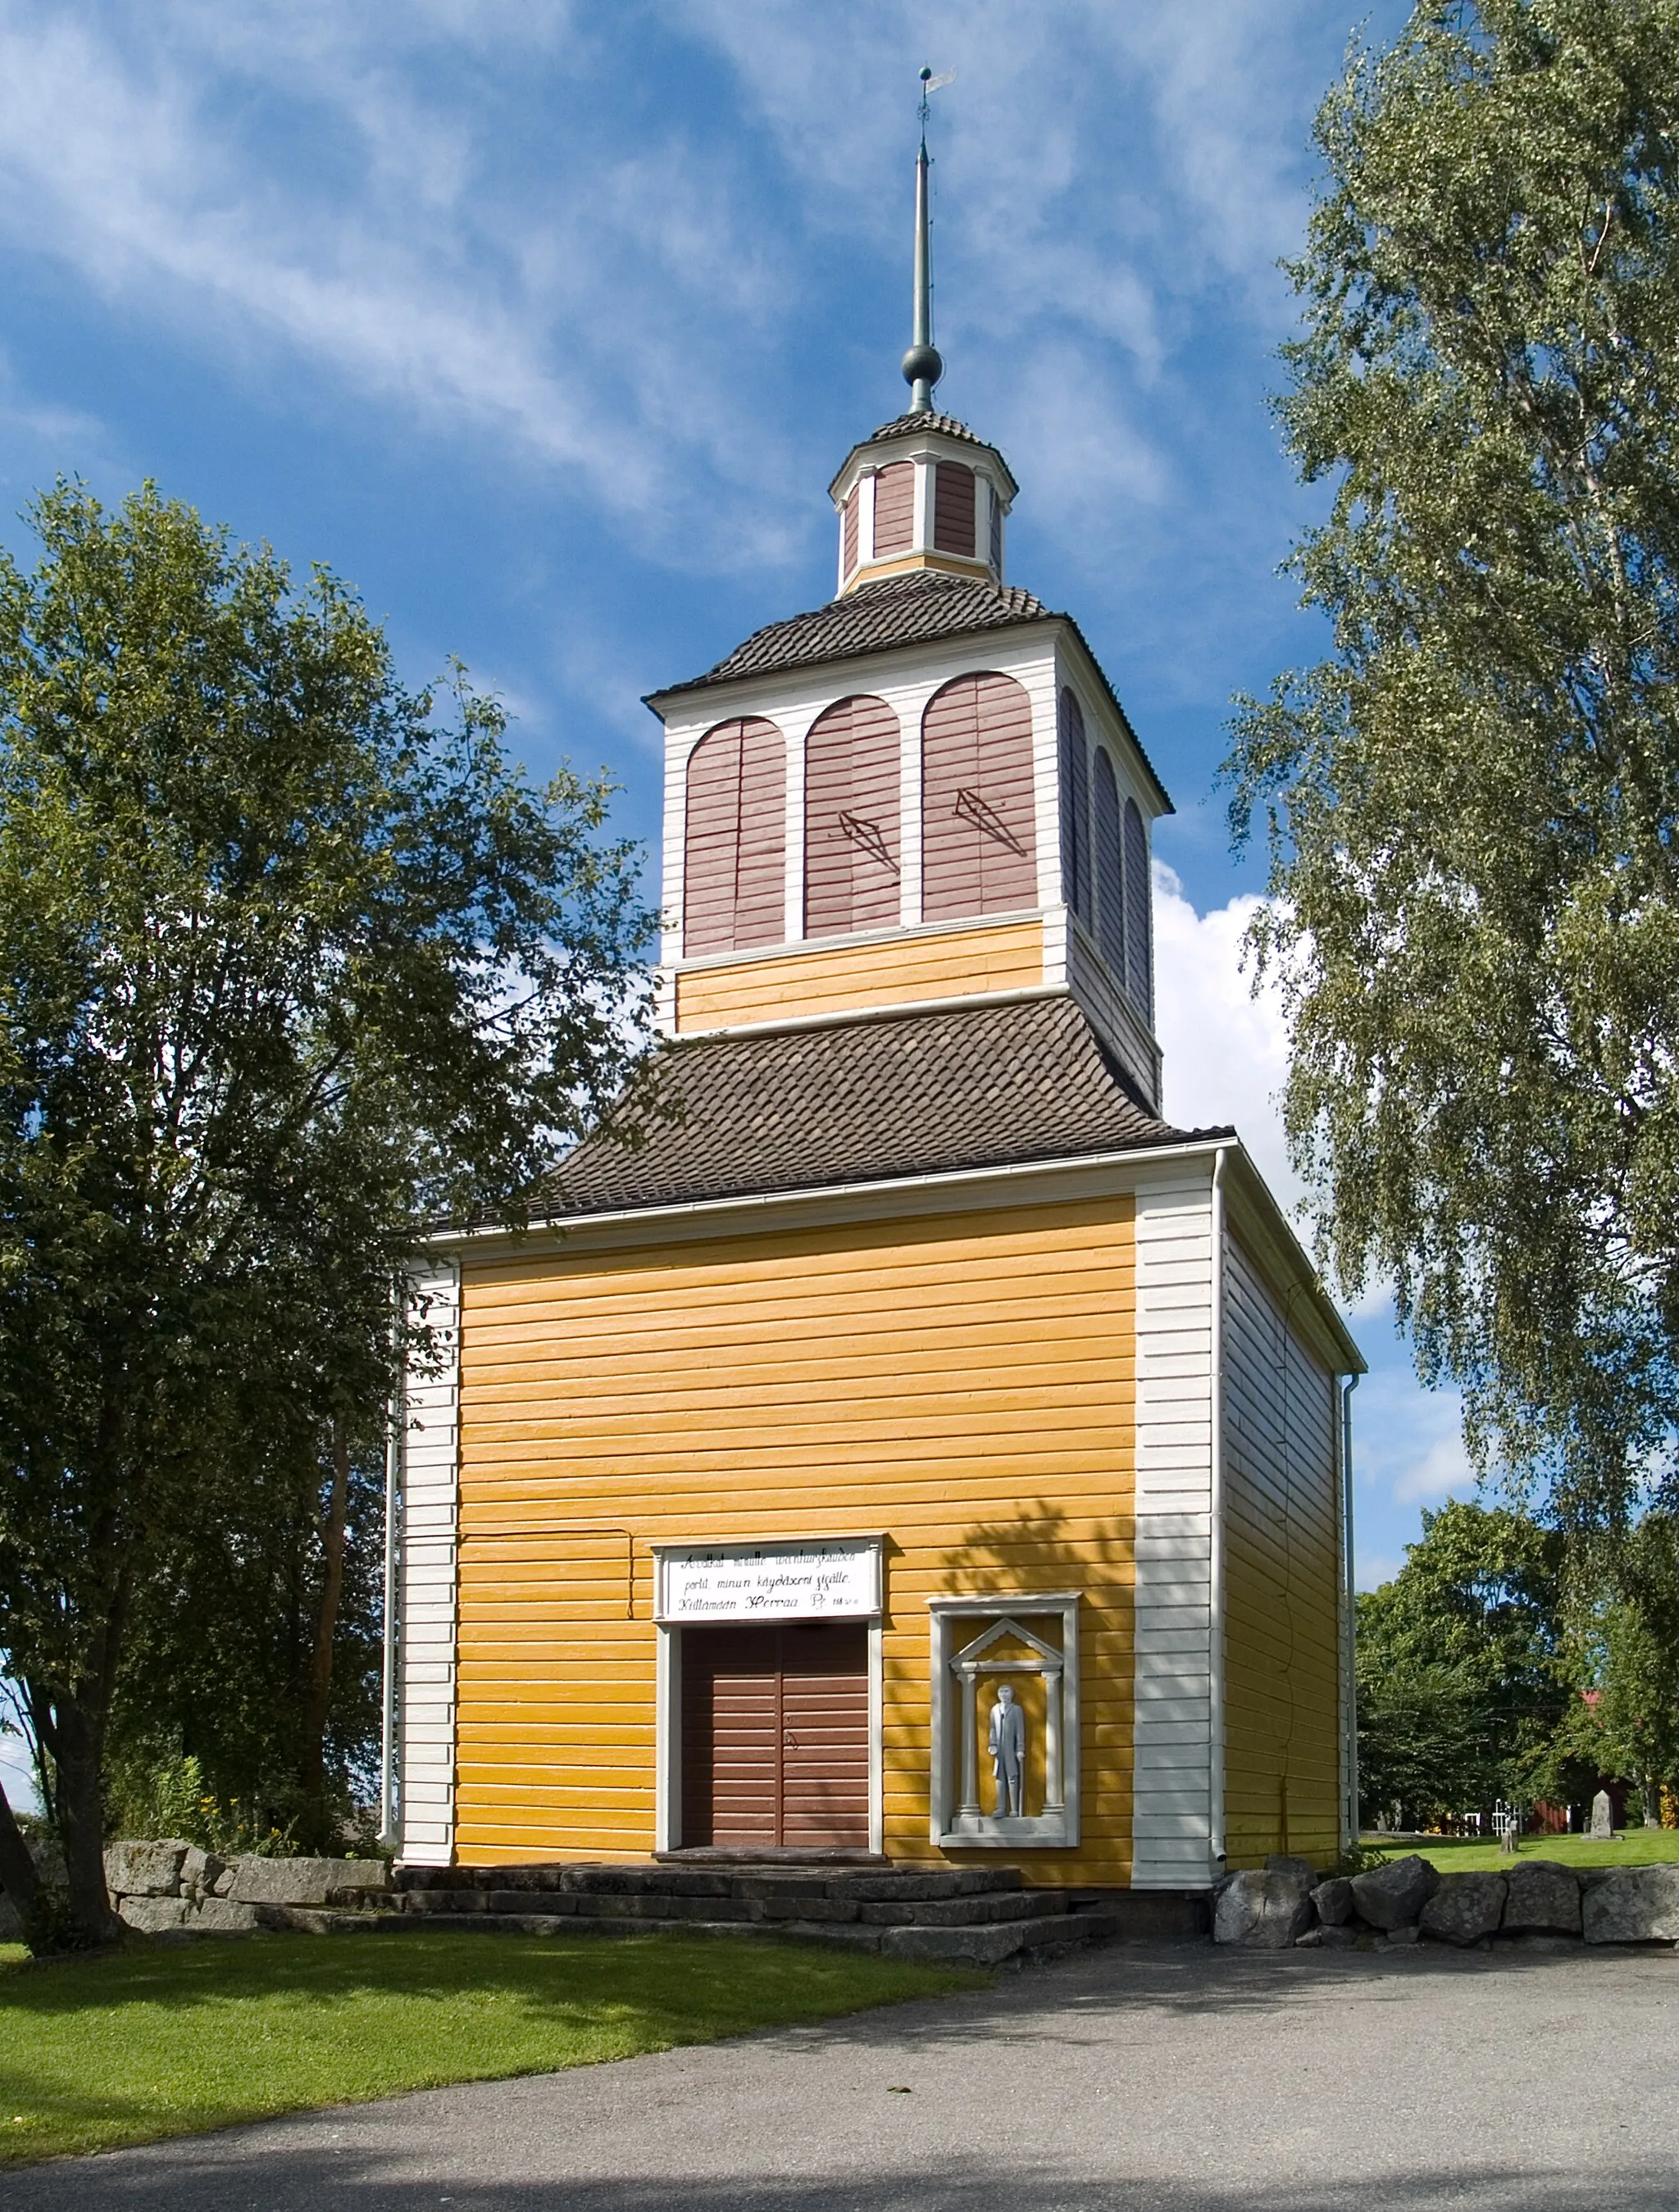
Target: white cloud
[589, 318]
[1225, 1049]
[1373, 1569]
[1443, 1472]
[473, 212]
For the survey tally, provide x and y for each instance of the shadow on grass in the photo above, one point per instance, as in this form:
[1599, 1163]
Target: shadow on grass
[164, 2040]
[664, 1973]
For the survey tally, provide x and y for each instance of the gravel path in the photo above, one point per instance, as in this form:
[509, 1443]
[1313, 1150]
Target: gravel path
[1137, 2078]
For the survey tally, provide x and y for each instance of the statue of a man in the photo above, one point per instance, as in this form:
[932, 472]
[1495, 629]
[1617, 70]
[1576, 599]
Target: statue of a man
[1008, 1744]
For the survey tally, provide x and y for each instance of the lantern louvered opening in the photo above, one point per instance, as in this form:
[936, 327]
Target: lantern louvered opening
[1138, 961]
[733, 879]
[852, 857]
[1074, 807]
[1109, 867]
[977, 840]
[849, 531]
[953, 509]
[996, 536]
[895, 508]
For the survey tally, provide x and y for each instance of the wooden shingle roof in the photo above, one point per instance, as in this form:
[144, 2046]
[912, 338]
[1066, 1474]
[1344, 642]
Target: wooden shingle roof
[908, 610]
[863, 1101]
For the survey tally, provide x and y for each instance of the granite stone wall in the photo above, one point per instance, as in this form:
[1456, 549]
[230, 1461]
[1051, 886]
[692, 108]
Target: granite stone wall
[1288, 1904]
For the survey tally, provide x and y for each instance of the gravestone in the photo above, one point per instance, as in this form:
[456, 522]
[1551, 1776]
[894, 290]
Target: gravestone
[1602, 1817]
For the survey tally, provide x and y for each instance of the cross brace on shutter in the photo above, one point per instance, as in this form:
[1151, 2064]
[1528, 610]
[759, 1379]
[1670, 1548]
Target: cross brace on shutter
[869, 835]
[984, 816]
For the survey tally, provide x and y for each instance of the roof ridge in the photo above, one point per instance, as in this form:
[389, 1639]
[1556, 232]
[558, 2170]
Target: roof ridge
[917, 607]
[904, 426]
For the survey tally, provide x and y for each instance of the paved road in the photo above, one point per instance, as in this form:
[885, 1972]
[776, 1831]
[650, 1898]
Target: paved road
[1135, 2079]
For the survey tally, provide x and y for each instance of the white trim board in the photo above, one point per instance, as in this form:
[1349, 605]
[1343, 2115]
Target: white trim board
[1171, 1731]
[427, 1581]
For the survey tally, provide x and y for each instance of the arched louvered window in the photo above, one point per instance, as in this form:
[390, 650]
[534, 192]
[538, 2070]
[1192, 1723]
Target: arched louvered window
[895, 508]
[1139, 952]
[735, 863]
[1074, 807]
[851, 819]
[1110, 868]
[978, 849]
[953, 508]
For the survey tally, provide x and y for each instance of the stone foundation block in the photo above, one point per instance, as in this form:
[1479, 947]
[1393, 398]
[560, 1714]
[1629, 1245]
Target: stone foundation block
[1464, 1908]
[200, 1872]
[154, 1916]
[1544, 1899]
[220, 1916]
[145, 1870]
[301, 1881]
[1332, 1900]
[1393, 1896]
[1266, 1912]
[1631, 1904]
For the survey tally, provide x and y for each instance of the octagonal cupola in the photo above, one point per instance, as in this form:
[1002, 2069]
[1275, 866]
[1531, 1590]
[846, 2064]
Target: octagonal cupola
[923, 493]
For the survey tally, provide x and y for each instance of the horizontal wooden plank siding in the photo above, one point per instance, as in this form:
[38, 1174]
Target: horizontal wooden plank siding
[964, 1385]
[945, 964]
[1173, 1727]
[1282, 1583]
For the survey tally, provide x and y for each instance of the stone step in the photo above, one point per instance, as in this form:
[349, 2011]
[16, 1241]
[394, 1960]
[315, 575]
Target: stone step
[967, 1911]
[1040, 1938]
[1003, 1943]
[978, 1910]
[870, 1885]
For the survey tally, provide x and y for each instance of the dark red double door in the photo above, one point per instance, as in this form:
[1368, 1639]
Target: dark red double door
[775, 1736]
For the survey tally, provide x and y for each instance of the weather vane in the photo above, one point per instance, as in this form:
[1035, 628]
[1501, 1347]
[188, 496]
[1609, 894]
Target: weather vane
[924, 365]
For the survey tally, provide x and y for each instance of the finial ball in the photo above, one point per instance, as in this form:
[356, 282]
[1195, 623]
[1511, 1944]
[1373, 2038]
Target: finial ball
[927, 73]
[923, 363]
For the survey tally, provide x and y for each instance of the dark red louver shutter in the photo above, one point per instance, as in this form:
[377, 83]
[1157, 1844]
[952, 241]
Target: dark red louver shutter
[851, 819]
[996, 534]
[977, 841]
[1074, 807]
[848, 527]
[1110, 870]
[895, 508]
[735, 839]
[953, 509]
[1138, 953]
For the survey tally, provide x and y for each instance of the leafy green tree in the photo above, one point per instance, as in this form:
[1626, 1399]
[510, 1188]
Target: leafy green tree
[1472, 803]
[1625, 1722]
[291, 960]
[252, 1655]
[1462, 1673]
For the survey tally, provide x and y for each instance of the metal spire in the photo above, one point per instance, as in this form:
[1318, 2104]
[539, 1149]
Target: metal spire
[924, 365]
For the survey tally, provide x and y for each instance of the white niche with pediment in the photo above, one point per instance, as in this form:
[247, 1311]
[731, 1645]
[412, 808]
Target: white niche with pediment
[1029, 1639]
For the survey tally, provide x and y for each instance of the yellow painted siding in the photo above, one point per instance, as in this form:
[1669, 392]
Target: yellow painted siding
[1282, 1585]
[963, 1385]
[943, 964]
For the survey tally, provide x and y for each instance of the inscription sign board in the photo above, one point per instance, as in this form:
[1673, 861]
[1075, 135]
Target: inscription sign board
[837, 1579]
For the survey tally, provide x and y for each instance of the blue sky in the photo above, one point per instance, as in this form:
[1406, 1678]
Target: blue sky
[546, 325]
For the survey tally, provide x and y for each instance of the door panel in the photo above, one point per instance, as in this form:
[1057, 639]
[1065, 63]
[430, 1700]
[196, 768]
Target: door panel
[775, 1736]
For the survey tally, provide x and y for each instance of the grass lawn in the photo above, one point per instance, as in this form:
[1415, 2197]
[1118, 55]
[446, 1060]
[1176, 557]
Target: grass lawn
[1465, 1855]
[172, 2038]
